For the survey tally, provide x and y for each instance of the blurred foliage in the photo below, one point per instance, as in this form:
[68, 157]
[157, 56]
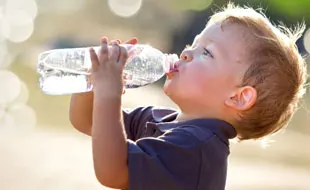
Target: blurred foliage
[291, 9]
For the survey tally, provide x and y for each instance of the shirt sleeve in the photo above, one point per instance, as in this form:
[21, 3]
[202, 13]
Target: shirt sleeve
[135, 120]
[171, 161]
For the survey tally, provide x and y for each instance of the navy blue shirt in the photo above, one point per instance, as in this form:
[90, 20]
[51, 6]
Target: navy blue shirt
[168, 155]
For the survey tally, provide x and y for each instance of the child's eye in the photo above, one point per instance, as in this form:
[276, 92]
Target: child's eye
[206, 52]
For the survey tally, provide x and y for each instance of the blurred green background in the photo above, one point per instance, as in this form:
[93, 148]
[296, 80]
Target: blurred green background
[40, 149]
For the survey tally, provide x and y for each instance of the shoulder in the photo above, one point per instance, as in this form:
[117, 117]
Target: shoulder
[208, 129]
[200, 133]
[175, 160]
[154, 112]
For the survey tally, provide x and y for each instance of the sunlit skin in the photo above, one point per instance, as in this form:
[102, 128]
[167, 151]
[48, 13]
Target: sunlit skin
[205, 83]
[108, 137]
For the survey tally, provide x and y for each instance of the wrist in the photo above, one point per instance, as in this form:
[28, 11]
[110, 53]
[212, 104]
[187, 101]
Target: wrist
[106, 95]
[107, 91]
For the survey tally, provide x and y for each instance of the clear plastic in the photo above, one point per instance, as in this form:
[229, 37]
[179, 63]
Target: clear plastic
[67, 71]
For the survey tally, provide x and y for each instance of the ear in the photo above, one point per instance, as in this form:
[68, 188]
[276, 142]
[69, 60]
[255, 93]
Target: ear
[242, 99]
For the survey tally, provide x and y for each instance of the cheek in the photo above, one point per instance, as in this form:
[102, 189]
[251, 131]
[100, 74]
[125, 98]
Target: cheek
[194, 80]
[197, 75]
[207, 82]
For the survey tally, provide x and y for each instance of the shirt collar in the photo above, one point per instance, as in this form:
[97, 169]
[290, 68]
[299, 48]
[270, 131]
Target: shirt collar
[164, 120]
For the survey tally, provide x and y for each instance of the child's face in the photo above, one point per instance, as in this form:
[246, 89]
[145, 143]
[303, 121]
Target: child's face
[210, 70]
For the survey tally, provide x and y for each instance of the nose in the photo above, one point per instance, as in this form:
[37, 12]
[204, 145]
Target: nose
[186, 55]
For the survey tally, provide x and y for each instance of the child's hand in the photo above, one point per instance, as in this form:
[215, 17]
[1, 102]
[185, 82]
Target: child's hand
[107, 69]
[132, 41]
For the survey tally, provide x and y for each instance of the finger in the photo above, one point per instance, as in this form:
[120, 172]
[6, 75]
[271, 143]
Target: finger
[118, 42]
[104, 51]
[112, 41]
[123, 55]
[93, 58]
[115, 52]
[132, 41]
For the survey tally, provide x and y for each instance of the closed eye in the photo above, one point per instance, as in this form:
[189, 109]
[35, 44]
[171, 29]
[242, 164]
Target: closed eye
[207, 52]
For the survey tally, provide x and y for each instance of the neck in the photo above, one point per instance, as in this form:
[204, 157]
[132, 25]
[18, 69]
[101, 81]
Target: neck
[202, 113]
[182, 117]
[197, 114]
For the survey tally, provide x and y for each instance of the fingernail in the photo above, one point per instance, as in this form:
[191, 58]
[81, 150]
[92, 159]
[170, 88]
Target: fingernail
[104, 40]
[134, 39]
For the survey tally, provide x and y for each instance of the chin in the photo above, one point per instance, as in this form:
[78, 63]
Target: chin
[170, 90]
[167, 86]
[166, 89]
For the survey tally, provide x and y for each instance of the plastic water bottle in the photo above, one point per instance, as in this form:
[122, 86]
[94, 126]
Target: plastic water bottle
[67, 71]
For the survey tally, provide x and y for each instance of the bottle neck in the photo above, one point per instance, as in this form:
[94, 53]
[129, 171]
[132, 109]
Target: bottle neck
[170, 60]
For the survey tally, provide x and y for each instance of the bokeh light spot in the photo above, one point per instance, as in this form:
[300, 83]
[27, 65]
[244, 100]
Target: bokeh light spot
[125, 8]
[2, 111]
[3, 52]
[23, 96]
[2, 38]
[17, 26]
[24, 116]
[28, 6]
[10, 86]
[7, 123]
[6, 58]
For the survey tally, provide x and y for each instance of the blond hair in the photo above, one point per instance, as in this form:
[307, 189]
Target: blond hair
[277, 71]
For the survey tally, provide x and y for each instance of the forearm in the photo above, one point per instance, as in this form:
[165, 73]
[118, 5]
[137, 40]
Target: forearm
[109, 142]
[80, 113]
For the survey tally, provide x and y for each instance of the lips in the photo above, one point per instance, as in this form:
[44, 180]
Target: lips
[174, 68]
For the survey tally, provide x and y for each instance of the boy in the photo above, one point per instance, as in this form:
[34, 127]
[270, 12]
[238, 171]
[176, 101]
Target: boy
[242, 77]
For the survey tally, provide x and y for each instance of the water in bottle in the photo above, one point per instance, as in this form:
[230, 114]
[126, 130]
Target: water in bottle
[67, 71]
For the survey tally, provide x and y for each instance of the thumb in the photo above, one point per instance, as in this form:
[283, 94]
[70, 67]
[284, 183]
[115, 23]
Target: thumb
[132, 41]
